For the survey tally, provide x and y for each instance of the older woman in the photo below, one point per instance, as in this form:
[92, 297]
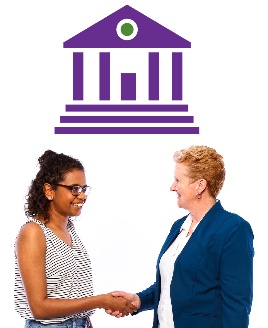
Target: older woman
[204, 270]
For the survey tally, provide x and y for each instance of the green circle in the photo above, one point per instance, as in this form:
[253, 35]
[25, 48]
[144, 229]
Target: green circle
[127, 29]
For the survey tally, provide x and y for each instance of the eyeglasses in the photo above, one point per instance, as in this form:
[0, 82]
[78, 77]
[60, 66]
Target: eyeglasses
[75, 189]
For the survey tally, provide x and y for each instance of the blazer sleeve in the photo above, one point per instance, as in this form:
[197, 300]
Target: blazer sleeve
[236, 272]
[147, 297]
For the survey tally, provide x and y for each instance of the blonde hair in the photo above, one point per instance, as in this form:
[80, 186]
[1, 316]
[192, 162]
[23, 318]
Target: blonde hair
[203, 163]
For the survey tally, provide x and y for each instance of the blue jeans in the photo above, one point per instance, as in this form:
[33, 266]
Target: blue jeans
[71, 323]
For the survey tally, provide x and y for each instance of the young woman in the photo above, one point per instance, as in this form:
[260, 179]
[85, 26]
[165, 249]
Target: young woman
[53, 280]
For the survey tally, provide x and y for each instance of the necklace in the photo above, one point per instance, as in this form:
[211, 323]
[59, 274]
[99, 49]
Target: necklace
[182, 240]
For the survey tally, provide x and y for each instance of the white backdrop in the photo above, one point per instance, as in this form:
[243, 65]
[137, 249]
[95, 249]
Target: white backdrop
[131, 209]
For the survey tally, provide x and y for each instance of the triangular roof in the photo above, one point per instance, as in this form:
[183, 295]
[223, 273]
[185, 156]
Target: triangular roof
[150, 34]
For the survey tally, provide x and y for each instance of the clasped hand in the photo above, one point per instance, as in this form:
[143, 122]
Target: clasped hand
[132, 298]
[119, 305]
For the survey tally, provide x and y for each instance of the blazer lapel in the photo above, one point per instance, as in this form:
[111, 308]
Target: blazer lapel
[170, 240]
[202, 235]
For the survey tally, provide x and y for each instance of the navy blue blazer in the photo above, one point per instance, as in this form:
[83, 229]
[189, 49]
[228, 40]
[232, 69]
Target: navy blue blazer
[212, 284]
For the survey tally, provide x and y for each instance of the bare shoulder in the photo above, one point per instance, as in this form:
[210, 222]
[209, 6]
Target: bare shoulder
[30, 235]
[31, 230]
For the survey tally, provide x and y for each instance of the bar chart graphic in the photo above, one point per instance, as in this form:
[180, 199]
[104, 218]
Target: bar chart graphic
[127, 28]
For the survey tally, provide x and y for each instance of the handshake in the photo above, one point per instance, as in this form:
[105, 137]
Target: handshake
[122, 304]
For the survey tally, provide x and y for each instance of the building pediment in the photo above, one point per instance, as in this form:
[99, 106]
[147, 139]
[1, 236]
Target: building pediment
[149, 34]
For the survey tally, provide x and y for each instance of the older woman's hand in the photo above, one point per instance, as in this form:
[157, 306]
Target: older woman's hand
[133, 298]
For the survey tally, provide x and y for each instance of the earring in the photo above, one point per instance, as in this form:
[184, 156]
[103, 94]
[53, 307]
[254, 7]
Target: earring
[198, 196]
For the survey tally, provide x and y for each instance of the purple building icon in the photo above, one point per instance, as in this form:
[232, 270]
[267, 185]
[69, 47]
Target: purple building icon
[127, 28]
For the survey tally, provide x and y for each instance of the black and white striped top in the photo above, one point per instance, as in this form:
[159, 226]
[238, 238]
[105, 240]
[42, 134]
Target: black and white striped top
[68, 273]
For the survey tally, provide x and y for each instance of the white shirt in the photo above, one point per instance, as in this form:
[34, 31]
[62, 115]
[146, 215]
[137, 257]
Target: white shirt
[166, 267]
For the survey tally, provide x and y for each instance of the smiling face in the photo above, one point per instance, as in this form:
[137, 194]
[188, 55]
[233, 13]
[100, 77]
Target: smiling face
[186, 191]
[63, 202]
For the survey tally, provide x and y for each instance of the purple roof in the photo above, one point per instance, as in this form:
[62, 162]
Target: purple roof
[150, 33]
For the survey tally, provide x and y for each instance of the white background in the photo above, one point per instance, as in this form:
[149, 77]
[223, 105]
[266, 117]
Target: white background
[131, 209]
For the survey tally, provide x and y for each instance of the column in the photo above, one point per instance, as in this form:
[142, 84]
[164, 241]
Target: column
[78, 75]
[153, 76]
[176, 76]
[104, 76]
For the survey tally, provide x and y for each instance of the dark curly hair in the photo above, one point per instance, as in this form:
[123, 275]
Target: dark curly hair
[53, 168]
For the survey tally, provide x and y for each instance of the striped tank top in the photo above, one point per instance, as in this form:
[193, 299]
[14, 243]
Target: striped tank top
[68, 273]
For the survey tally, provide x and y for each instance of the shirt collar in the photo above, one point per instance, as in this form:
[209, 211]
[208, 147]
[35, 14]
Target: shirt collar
[187, 224]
